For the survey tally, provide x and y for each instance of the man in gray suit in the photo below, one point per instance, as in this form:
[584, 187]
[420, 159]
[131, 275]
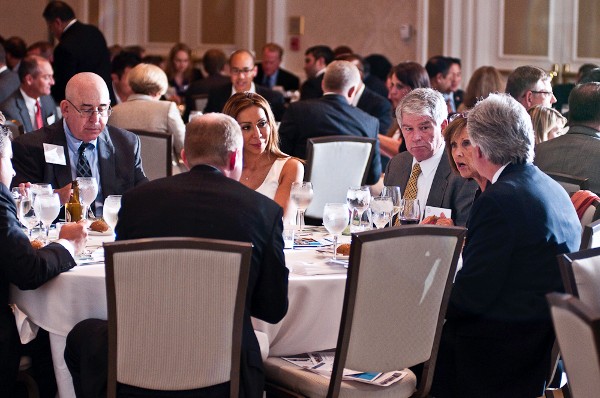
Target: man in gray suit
[9, 80]
[81, 144]
[422, 117]
[32, 104]
[576, 152]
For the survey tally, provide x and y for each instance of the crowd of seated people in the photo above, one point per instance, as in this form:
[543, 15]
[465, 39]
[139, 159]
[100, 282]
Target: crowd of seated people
[420, 117]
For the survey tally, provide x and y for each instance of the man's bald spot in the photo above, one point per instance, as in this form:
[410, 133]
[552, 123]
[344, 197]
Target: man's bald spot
[86, 82]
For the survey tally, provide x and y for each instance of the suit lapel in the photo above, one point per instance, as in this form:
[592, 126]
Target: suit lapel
[23, 112]
[106, 163]
[62, 173]
[440, 183]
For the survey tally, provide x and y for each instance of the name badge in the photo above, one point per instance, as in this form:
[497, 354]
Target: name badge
[51, 119]
[437, 211]
[55, 154]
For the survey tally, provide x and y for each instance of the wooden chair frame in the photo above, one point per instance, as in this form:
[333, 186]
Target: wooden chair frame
[588, 233]
[569, 179]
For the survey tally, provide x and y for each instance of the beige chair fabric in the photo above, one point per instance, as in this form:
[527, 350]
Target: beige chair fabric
[397, 290]
[577, 330]
[156, 152]
[580, 272]
[590, 238]
[175, 306]
[334, 164]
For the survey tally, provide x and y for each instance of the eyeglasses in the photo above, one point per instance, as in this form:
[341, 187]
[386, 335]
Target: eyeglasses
[455, 116]
[237, 71]
[542, 92]
[102, 111]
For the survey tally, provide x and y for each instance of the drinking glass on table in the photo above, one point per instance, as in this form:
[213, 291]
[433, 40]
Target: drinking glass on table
[358, 198]
[335, 220]
[40, 188]
[302, 194]
[47, 207]
[410, 211]
[27, 214]
[382, 208]
[112, 204]
[393, 191]
[88, 190]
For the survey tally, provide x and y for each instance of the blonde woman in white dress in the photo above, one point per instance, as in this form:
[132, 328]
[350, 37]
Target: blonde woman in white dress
[266, 169]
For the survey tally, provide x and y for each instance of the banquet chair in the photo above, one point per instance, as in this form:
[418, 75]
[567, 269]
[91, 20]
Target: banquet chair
[157, 153]
[577, 328]
[569, 182]
[15, 127]
[200, 101]
[591, 214]
[397, 290]
[590, 238]
[335, 163]
[580, 272]
[175, 312]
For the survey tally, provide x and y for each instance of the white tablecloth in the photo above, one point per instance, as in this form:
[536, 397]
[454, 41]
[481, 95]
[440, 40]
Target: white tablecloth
[312, 321]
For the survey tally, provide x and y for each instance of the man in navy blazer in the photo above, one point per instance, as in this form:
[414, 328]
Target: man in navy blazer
[216, 206]
[331, 114]
[50, 154]
[498, 335]
[270, 73]
[36, 77]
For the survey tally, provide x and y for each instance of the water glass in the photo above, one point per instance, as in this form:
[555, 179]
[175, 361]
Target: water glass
[393, 191]
[382, 208]
[27, 214]
[47, 207]
[358, 199]
[410, 212]
[302, 194]
[88, 190]
[112, 205]
[335, 220]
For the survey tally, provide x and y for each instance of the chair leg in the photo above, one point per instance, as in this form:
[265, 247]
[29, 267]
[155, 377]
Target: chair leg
[275, 391]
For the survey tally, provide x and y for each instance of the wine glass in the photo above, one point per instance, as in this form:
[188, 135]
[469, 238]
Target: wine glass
[112, 204]
[47, 207]
[358, 198]
[382, 208]
[88, 190]
[302, 194]
[410, 211]
[335, 219]
[27, 214]
[393, 191]
[39, 189]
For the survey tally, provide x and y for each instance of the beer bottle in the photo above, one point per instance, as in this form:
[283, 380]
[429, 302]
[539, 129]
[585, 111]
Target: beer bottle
[73, 208]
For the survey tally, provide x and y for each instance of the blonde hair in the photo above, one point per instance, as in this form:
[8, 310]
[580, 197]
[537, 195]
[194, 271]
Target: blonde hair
[545, 120]
[148, 79]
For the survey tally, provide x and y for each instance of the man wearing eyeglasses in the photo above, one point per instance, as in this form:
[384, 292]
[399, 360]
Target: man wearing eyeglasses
[530, 86]
[81, 145]
[243, 69]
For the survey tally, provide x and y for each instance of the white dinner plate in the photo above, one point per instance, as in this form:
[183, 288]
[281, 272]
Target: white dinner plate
[108, 232]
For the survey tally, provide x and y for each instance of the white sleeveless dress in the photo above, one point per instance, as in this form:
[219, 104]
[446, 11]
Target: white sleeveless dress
[271, 182]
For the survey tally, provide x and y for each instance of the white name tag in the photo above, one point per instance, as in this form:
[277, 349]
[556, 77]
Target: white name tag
[55, 154]
[437, 211]
[51, 119]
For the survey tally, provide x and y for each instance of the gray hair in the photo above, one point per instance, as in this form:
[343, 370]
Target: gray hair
[5, 136]
[148, 79]
[524, 78]
[501, 127]
[423, 102]
[340, 76]
[210, 138]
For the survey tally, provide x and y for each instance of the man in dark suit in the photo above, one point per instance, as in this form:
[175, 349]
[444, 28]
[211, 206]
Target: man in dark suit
[9, 80]
[216, 206]
[81, 48]
[316, 59]
[498, 335]
[243, 69]
[56, 154]
[270, 74]
[422, 117]
[331, 114]
[27, 268]
[32, 105]
[445, 76]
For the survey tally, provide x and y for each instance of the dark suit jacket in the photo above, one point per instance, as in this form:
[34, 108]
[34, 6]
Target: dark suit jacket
[377, 106]
[458, 96]
[287, 80]
[375, 84]
[218, 96]
[118, 159]
[82, 48]
[498, 319]
[328, 115]
[311, 88]
[9, 82]
[202, 86]
[448, 189]
[28, 269]
[220, 208]
[14, 108]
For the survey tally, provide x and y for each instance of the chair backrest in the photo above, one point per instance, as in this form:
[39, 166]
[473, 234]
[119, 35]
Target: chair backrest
[591, 214]
[577, 330]
[15, 127]
[569, 182]
[580, 272]
[397, 291]
[590, 238]
[335, 163]
[175, 312]
[200, 101]
[157, 153]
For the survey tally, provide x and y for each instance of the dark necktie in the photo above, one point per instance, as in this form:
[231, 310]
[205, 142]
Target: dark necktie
[38, 115]
[83, 166]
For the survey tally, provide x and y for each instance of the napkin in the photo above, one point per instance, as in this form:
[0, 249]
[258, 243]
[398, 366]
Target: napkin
[27, 329]
[318, 268]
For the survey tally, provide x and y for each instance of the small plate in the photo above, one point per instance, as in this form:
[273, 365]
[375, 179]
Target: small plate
[108, 232]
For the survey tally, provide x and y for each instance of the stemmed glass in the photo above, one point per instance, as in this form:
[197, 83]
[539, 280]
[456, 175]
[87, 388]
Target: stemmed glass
[382, 208]
[394, 193]
[39, 189]
[112, 204]
[358, 198]
[335, 219]
[27, 214]
[88, 190]
[47, 207]
[410, 211]
[302, 194]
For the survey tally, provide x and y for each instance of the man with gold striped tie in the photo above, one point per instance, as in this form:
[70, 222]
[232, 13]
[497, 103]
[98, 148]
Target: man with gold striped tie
[423, 172]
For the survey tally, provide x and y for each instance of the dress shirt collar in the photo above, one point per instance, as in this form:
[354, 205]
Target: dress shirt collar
[359, 91]
[425, 181]
[430, 165]
[3, 68]
[497, 174]
[69, 25]
[252, 88]
[319, 73]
